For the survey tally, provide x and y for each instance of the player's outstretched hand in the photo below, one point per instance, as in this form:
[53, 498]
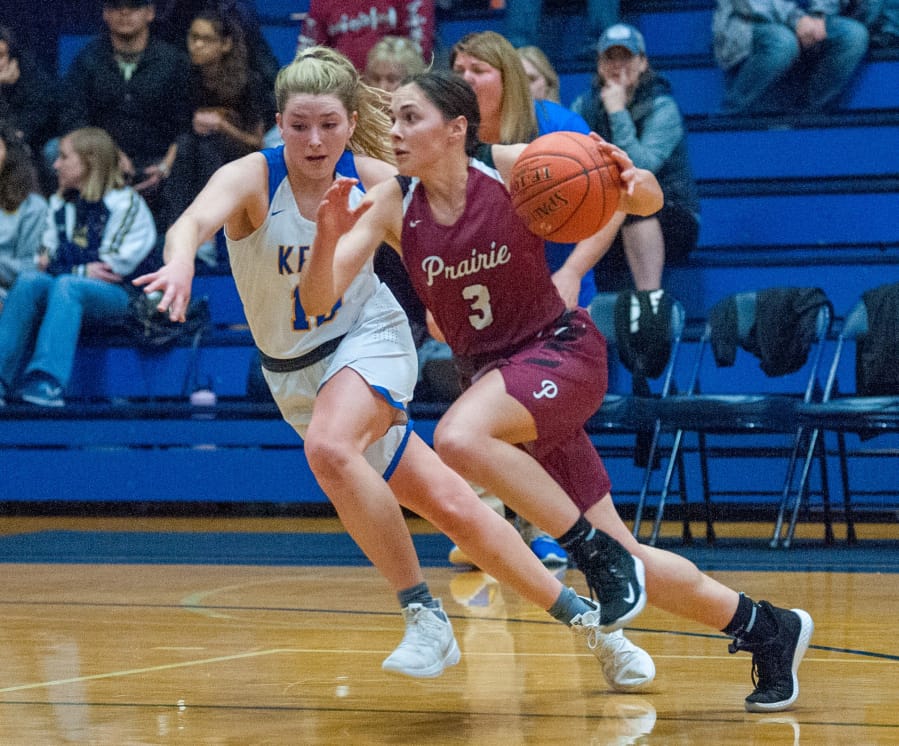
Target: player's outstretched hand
[173, 280]
[334, 216]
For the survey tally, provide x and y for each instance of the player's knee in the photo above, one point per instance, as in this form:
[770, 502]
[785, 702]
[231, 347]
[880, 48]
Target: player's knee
[458, 510]
[327, 457]
[453, 444]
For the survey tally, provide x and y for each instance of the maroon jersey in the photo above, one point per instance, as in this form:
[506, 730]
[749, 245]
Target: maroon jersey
[353, 27]
[485, 278]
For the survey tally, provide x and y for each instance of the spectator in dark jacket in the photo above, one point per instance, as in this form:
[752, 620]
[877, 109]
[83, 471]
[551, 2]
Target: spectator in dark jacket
[27, 93]
[173, 19]
[230, 105]
[631, 105]
[133, 86]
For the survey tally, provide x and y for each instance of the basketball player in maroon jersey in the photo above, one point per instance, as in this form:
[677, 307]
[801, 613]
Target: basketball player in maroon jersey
[534, 372]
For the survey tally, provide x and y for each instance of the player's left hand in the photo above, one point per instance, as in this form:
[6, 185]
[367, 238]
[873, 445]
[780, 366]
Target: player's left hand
[334, 216]
[627, 171]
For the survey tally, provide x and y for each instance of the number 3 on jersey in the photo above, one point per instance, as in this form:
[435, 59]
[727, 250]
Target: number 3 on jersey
[478, 297]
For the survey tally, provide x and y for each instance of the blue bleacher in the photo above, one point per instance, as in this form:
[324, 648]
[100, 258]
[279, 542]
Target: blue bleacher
[805, 201]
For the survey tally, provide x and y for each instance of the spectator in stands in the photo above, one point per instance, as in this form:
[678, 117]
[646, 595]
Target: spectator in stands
[23, 210]
[354, 26]
[390, 60]
[174, 17]
[36, 27]
[388, 63]
[134, 86]
[27, 93]
[780, 56]
[542, 76]
[230, 105]
[525, 17]
[97, 232]
[631, 105]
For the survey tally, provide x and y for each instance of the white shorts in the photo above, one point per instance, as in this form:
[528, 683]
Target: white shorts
[379, 348]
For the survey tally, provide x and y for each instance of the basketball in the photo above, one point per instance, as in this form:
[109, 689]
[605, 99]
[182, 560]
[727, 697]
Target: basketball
[564, 188]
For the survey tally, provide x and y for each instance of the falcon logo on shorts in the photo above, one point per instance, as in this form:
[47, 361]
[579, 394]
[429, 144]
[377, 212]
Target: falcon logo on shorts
[549, 390]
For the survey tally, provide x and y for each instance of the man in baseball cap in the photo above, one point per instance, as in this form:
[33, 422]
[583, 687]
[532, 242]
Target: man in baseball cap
[632, 106]
[621, 35]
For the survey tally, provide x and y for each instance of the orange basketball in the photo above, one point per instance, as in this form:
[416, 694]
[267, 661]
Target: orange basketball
[564, 188]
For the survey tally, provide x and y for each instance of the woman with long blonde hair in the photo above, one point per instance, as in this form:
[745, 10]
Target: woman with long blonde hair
[97, 233]
[542, 76]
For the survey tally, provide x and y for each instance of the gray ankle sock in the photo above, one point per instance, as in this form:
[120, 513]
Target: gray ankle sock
[567, 606]
[420, 594]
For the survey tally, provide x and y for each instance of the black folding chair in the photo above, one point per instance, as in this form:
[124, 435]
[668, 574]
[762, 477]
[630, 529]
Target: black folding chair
[634, 414]
[718, 408]
[859, 416]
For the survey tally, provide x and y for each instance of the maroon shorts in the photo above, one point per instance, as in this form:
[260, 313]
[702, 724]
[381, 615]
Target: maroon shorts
[561, 378]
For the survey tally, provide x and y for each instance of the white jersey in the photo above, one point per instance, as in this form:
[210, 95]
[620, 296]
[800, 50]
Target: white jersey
[375, 338]
[266, 266]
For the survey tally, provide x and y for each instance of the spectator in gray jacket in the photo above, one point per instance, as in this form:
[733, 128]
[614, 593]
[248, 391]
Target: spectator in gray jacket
[23, 210]
[631, 105]
[781, 56]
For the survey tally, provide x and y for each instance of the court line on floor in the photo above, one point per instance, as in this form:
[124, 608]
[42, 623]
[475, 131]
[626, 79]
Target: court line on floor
[147, 669]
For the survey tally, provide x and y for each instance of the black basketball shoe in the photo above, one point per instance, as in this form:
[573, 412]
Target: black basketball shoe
[776, 659]
[615, 578]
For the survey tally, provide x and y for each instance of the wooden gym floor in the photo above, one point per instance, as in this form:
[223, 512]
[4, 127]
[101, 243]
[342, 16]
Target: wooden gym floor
[110, 638]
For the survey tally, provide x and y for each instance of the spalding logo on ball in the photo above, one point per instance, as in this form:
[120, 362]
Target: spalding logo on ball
[564, 188]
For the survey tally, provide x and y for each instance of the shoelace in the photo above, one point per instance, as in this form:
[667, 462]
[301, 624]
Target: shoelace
[756, 674]
[420, 622]
[588, 622]
[763, 676]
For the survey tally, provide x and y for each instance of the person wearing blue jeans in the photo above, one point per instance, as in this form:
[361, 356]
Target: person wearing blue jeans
[98, 231]
[780, 56]
[53, 308]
